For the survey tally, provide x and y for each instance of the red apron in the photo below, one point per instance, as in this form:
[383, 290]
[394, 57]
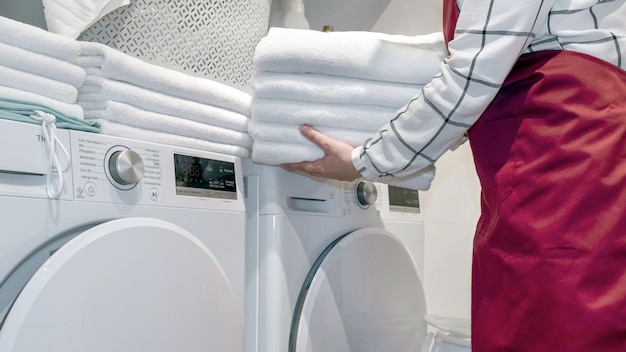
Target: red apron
[549, 260]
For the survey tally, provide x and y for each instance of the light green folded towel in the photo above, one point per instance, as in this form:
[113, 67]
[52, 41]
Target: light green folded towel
[22, 111]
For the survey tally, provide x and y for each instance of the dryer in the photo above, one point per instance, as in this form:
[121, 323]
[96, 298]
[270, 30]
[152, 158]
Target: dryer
[142, 251]
[332, 266]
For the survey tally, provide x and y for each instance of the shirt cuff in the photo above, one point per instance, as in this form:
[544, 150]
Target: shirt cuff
[420, 180]
[359, 165]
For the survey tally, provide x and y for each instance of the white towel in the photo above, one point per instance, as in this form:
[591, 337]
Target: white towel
[72, 17]
[332, 89]
[42, 65]
[365, 55]
[366, 117]
[115, 129]
[288, 133]
[70, 110]
[37, 40]
[97, 91]
[63, 92]
[125, 114]
[277, 153]
[119, 66]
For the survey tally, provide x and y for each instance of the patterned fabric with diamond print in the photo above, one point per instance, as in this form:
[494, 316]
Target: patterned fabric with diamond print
[208, 38]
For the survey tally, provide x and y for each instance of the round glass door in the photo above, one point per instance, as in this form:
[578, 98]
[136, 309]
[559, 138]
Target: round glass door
[363, 294]
[134, 284]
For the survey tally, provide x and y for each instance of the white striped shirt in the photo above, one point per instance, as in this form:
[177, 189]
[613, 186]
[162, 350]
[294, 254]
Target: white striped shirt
[489, 38]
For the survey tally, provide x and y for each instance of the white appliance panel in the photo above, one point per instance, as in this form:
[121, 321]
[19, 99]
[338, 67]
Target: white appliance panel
[362, 294]
[292, 219]
[136, 294]
[37, 230]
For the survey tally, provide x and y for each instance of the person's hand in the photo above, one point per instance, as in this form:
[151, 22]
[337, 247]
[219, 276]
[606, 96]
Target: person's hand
[337, 160]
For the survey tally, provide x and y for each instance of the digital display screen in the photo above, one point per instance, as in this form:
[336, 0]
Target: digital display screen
[208, 178]
[403, 199]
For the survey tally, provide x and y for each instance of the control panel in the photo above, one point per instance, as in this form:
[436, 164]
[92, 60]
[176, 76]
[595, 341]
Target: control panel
[118, 170]
[288, 192]
[387, 201]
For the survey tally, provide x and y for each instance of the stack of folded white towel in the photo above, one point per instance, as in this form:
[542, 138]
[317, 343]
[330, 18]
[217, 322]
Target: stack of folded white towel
[39, 68]
[345, 84]
[132, 98]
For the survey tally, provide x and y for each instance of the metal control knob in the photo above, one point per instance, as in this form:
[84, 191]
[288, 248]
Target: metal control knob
[126, 167]
[366, 193]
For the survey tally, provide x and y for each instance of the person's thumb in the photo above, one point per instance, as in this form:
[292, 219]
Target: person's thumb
[315, 136]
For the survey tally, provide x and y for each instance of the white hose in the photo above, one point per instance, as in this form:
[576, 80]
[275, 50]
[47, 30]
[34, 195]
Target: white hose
[54, 163]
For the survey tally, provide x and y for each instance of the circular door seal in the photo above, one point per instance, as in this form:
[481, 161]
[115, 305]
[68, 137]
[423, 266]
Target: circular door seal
[134, 284]
[364, 293]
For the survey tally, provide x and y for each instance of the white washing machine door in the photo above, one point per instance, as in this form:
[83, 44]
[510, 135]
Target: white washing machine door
[363, 294]
[133, 284]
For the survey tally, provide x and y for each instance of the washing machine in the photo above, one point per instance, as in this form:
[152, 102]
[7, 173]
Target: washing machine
[142, 250]
[332, 266]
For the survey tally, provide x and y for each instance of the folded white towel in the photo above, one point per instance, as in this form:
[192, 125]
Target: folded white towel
[332, 89]
[125, 114]
[122, 67]
[276, 153]
[365, 55]
[42, 65]
[96, 91]
[72, 17]
[288, 133]
[89, 61]
[37, 40]
[70, 110]
[292, 112]
[115, 129]
[63, 92]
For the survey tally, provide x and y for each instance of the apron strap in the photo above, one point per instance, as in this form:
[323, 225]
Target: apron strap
[450, 16]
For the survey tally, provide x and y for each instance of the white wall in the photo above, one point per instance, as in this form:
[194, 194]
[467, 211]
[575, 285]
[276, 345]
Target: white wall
[451, 206]
[410, 17]
[27, 11]
[451, 209]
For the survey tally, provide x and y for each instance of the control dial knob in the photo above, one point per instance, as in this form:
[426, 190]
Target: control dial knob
[126, 167]
[366, 193]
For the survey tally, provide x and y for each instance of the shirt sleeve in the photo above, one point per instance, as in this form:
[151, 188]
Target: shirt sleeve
[489, 38]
